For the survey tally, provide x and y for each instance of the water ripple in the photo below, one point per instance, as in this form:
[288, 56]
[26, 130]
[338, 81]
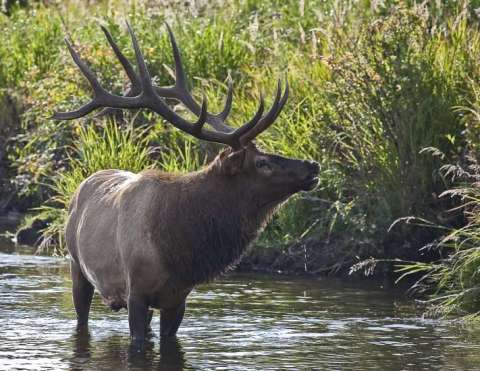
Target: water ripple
[241, 322]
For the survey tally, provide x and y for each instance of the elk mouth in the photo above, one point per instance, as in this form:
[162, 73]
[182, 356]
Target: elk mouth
[310, 183]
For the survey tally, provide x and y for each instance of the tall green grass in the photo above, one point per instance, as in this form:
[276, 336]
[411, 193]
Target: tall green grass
[451, 283]
[391, 95]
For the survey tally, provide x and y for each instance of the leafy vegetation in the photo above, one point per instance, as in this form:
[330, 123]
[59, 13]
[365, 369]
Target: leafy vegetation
[452, 282]
[373, 84]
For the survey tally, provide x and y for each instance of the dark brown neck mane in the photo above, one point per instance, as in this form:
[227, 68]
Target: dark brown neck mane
[217, 219]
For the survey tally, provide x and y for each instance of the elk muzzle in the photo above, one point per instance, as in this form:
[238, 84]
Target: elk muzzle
[310, 179]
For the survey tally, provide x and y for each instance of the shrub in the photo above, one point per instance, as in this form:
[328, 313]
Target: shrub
[452, 282]
[392, 93]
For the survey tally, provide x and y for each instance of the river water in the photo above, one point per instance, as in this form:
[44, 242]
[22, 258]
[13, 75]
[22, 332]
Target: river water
[239, 322]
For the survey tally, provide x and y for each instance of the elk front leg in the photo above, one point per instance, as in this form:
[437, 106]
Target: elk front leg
[138, 316]
[82, 291]
[170, 320]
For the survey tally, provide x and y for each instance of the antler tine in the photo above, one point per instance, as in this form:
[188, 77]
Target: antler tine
[145, 78]
[271, 115]
[283, 100]
[89, 75]
[70, 115]
[181, 92]
[135, 87]
[228, 102]
[254, 121]
[180, 76]
[127, 66]
[202, 119]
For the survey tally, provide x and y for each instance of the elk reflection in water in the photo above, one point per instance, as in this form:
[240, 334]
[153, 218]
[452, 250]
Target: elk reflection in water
[117, 355]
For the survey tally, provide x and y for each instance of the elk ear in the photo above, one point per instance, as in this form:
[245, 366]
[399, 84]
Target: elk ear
[233, 162]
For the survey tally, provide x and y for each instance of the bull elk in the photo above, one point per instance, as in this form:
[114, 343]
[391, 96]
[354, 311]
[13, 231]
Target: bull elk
[143, 241]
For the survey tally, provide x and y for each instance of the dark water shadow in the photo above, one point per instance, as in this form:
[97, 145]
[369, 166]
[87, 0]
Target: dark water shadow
[81, 348]
[116, 353]
[172, 356]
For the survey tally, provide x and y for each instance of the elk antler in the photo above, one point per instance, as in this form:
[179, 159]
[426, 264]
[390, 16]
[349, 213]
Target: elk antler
[144, 94]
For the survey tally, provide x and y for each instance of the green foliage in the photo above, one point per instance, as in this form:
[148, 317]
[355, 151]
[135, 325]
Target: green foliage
[452, 282]
[183, 158]
[392, 96]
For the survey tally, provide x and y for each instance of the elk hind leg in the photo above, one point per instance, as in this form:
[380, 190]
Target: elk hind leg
[138, 317]
[82, 291]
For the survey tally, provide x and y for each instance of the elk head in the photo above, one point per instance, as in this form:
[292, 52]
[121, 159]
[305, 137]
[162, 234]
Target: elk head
[267, 177]
[272, 177]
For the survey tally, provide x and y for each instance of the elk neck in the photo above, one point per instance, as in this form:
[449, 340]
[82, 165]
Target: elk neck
[216, 218]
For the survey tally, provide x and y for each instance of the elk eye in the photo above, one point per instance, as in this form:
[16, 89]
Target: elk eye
[262, 164]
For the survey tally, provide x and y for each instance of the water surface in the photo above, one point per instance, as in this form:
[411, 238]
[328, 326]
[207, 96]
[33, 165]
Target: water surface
[240, 322]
